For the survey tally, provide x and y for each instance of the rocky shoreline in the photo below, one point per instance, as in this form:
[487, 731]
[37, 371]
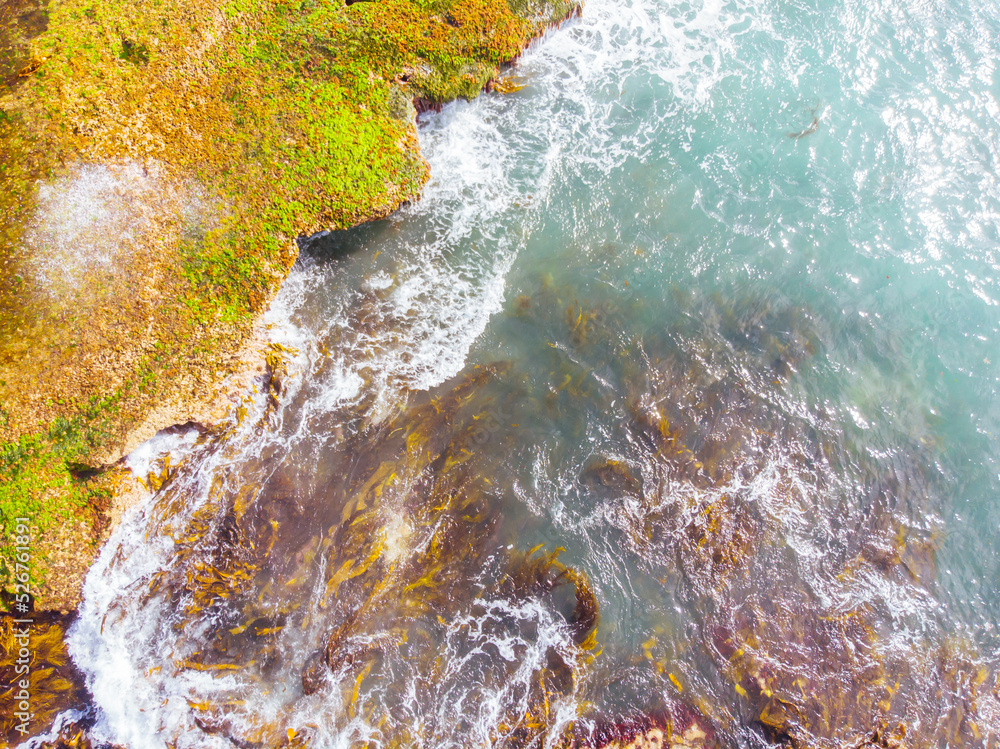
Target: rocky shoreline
[162, 162]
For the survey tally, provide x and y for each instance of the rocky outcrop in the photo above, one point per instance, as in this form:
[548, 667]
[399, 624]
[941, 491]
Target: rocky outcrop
[162, 159]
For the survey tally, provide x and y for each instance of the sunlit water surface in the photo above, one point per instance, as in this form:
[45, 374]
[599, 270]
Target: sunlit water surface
[711, 304]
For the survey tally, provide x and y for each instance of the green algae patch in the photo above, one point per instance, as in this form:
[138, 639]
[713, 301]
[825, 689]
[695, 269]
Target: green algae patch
[159, 160]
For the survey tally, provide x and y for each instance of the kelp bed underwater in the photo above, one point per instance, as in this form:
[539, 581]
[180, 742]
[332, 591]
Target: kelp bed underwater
[384, 588]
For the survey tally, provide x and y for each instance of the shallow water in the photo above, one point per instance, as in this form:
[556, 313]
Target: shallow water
[711, 306]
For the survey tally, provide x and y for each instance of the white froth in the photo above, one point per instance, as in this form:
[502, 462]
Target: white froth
[127, 646]
[174, 445]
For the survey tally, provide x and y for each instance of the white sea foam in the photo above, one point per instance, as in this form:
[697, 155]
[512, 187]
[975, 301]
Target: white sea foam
[129, 648]
[173, 445]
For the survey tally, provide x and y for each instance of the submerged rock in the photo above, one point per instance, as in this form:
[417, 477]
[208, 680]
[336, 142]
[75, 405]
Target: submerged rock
[611, 474]
[680, 728]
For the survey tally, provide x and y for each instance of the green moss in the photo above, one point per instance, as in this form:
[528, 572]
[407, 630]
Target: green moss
[40, 481]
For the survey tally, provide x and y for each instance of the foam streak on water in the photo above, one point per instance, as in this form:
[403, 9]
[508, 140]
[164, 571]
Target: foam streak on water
[712, 304]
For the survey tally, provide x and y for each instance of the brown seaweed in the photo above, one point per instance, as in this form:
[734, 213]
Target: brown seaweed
[341, 576]
[33, 650]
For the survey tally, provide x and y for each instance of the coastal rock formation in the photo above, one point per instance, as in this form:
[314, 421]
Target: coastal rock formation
[161, 159]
